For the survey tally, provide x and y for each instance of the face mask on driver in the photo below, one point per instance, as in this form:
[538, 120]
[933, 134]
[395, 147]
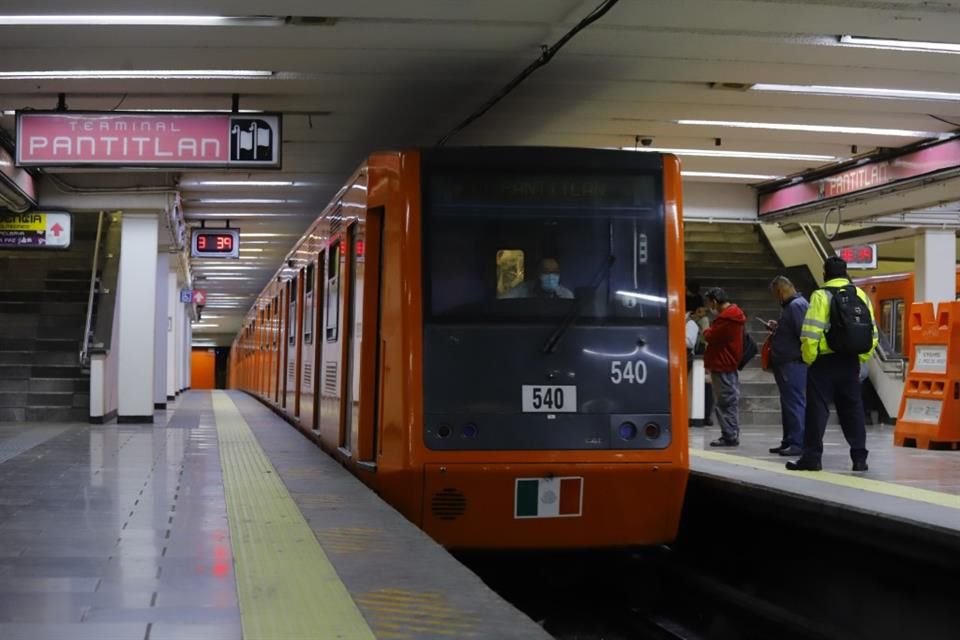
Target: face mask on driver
[549, 281]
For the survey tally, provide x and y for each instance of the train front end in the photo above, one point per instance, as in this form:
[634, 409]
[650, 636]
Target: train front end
[554, 404]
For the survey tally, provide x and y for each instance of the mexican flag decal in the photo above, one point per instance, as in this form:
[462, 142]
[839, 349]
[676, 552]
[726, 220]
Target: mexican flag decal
[548, 497]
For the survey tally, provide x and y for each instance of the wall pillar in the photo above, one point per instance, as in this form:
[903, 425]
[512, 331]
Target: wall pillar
[936, 263]
[173, 301]
[137, 300]
[160, 333]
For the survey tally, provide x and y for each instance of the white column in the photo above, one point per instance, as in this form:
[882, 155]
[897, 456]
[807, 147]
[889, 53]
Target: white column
[137, 300]
[936, 263]
[173, 301]
[178, 327]
[160, 333]
[187, 349]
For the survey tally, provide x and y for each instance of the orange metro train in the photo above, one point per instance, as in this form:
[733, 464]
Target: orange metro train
[492, 339]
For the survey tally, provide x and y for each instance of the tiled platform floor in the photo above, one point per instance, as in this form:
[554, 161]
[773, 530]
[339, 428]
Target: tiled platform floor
[123, 533]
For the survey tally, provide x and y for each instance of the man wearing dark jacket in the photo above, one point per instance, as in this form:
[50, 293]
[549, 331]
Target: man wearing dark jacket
[722, 358]
[789, 370]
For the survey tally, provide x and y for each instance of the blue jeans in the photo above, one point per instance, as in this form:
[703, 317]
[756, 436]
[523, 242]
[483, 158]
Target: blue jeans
[791, 380]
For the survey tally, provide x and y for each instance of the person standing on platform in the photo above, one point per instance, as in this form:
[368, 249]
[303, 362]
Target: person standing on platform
[722, 357]
[696, 318]
[839, 333]
[789, 370]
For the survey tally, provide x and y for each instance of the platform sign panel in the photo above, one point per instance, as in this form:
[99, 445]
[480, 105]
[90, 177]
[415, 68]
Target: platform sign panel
[186, 296]
[125, 139]
[35, 230]
[199, 297]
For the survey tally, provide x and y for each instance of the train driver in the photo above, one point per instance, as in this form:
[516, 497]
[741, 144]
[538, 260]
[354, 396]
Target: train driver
[547, 285]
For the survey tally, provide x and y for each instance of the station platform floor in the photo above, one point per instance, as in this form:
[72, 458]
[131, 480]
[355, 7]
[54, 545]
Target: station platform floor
[217, 522]
[913, 491]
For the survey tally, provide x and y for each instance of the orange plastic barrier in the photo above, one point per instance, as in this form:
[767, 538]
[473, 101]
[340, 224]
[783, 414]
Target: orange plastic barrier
[930, 407]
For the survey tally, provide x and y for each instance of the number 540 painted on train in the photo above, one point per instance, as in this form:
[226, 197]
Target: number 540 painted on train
[492, 339]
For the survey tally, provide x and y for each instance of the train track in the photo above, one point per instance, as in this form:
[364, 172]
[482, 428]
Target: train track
[635, 595]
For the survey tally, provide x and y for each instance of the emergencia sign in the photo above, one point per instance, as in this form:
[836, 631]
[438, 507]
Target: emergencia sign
[35, 230]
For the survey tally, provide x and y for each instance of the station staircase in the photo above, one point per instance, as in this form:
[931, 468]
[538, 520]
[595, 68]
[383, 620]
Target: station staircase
[43, 304]
[737, 258]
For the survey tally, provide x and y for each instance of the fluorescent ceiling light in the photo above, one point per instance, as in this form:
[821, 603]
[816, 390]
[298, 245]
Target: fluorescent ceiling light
[242, 183]
[125, 74]
[251, 249]
[818, 128]
[123, 20]
[244, 201]
[720, 153]
[172, 110]
[264, 235]
[899, 45]
[860, 92]
[216, 215]
[732, 176]
[642, 296]
[217, 278]
[205, 325]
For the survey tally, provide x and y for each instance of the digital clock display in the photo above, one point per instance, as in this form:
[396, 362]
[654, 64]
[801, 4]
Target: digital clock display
[219, 243]
[859, 256]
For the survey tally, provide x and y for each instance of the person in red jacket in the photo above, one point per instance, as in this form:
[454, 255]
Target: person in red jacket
[722, 358]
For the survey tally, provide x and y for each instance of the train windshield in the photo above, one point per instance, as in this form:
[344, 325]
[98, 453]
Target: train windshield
[528, 248]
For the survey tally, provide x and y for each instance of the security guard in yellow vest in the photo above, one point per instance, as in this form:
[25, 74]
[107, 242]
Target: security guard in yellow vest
[833, 376]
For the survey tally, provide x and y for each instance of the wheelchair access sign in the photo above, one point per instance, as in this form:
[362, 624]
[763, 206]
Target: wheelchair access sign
[35, 230]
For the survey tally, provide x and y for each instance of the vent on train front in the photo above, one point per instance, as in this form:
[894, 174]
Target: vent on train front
[449, 504]
[291, 370]
[330, 378]
[307, 374]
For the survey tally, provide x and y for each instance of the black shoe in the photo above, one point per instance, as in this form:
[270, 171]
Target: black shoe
[776, 449]
[861, 466]
[723, 442]
[791, 451]
[804, 464]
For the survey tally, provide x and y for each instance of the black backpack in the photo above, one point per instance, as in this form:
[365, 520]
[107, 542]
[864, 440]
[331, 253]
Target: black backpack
[749, 350]
[851, 327]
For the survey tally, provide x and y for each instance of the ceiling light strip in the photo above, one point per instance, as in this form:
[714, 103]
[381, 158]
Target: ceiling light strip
[899, 45]
[814, 128]
[732, 176]
[857, 92]
[720, 153]
[134, 74]
[138, 20]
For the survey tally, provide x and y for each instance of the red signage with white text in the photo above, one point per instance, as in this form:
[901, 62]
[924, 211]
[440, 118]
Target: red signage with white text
[939, 157]
[70, 139]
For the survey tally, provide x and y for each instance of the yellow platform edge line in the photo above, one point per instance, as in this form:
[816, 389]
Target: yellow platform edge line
[864, 484]
[286, 585]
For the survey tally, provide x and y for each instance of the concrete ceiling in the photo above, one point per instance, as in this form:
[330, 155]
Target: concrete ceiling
[381, 74]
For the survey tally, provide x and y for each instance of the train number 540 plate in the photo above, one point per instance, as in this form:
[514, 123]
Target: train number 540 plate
[549, 399]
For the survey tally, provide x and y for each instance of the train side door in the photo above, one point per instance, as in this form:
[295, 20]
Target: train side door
[275, 351]
[319, 307]
[293, 336]
[372, 347]
[349, 349]
[307, 350]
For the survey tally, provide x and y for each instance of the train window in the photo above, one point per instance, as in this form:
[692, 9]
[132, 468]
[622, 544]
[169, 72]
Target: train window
[529, 248]
[274, 324]
[292, 315]
[308, 285]
[510, 270]
[891, 323]
[333, 292]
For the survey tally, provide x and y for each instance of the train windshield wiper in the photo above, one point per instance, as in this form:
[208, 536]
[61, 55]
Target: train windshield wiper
[574, 313]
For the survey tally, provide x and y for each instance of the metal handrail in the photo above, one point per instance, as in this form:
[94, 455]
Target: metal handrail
[85, 349]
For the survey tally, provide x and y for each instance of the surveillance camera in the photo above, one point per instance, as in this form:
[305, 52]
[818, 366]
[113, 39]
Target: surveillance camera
[646, 141]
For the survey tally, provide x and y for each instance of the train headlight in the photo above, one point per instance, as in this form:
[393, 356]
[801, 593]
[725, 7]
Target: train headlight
[444, 430]
[652, 430]
[627, 430]
[470, 430]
